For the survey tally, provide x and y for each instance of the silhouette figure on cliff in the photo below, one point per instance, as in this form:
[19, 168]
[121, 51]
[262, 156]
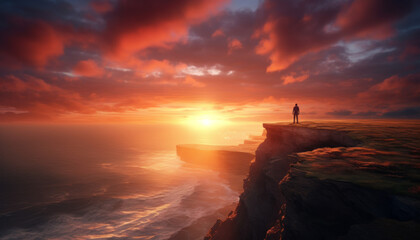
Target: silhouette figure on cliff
[296, 112]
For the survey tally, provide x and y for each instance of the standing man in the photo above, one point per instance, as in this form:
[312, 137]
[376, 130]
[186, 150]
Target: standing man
[296, 113]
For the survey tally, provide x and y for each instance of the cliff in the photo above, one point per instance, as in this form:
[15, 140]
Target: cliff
[232, 164]
[329, 181]
[231, 159]
[227, 159]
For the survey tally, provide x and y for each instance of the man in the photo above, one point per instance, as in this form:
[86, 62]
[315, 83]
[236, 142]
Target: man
[296, 113]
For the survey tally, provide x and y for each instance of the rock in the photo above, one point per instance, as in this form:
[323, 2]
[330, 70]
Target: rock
[284, 198]
[231, 159]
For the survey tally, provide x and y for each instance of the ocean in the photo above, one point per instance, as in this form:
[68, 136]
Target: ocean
[108, 181]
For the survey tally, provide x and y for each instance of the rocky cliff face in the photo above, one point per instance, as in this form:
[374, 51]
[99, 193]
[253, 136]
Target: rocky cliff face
[283, 202]
[230, 159]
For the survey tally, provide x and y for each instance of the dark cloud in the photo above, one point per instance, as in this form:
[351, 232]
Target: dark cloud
[411, 112]
[29, 42]
[235, 25]
[32, 33]
[102, 6]
[136, 25]
[295, 28]
[47, 10]
[368, 114]
[372, 18]
[395, 89]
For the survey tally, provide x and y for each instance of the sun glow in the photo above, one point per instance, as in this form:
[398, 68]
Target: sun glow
[206, 122]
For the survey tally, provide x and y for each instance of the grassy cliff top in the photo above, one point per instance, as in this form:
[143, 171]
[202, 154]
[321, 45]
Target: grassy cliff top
[388, 157]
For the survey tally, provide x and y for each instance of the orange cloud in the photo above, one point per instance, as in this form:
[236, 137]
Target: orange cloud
[218, 33]
[136, 25]
[293, 78]
[191, 81]
[12, 83]
[87, 68]
[36, 97]
[394, 89]
[234, 44]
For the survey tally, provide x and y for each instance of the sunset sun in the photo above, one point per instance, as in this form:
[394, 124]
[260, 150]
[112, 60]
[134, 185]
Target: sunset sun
[205, 119]
[206, 122]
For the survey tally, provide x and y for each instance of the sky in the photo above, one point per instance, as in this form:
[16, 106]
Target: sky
[167, 61]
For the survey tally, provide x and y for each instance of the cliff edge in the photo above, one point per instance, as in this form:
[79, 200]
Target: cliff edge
[329, 181]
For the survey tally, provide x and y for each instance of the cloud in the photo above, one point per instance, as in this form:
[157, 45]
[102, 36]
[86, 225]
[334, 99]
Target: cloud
[409, 51]
[410, 112]
[201, 71]
[32, 35]
[87, 68]
[340, 113]
[191, 81]
[218, 33]
[14, 84]
[234, 44]
[101, 6]
[193, 70]
[136, 25]
[293, 78]
[351, 114]
[236, 25]
[35, 96]
[371, 18]
[368, 114]
[29, 42]
[17, 117]
[137, 57]
[293, 29]
[394, 89]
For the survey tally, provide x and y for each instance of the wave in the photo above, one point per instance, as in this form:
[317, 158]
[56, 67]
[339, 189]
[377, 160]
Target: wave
[157, 215]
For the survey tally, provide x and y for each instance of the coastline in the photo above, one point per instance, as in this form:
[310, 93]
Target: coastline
[326, 181]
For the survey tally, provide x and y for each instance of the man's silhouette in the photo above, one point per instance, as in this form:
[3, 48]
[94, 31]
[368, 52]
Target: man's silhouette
[296, 113]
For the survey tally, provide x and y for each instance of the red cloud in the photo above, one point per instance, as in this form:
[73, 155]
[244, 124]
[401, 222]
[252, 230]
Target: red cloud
[395, 89]
[15, 84]
[372, 18]
[218, 33]
[129, 26]
[101, 6]
[135, 25]
[36, 96]
[87, 68]
[191, 81]
[234, 44]
[293, 78]
[410, 50]
[294, 29]
[29, 42]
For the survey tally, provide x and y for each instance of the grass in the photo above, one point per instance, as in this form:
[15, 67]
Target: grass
[388, 157]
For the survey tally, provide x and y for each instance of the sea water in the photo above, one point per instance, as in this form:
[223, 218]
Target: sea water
[107, 181]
